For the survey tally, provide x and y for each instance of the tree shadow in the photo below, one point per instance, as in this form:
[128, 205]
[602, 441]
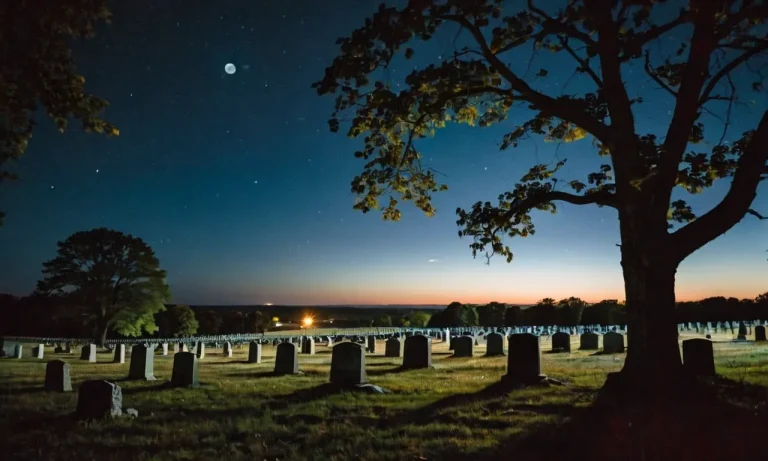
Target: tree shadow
[255, 374]
[391, 371]
[23, 390]
[153, 388]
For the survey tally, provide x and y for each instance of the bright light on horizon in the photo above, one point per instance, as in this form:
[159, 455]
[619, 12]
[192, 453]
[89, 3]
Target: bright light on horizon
[308, 321]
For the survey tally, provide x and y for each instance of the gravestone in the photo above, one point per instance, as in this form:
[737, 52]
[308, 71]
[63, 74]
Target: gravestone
[254, 352]
[759, 333]
[119, 353]
[447, 337]
[463, 346]
[417, 352]
[561, 342]
[742, 332]
[371, 347]
[88, 352]
[186, 371]
[57, 377]
[18, 351]
[523, 360]
[200, 350]
[227, 349]
[287, 359]
[308, 346]
[99, 399]
[393, 347]
[613, 343]
[698, 357]
[494, 345]
[176, 348]
[348, 365]
[39, 351]
[165, 348]
[589, 341]
[142, 363]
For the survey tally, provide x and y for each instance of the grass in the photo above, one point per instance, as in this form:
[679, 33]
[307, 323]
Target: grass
[455, 411]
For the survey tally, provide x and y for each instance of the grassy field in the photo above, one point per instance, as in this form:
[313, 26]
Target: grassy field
[455, 411]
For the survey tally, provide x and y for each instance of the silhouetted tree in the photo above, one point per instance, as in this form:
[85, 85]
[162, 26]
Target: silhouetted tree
[177, 321]
[111, 279]
[492, 314]
[419, 318]
[478, 84]
[384, 321]
[37, 70]
[513, 317]
[209, 321]
[257, 322]
[569, 311]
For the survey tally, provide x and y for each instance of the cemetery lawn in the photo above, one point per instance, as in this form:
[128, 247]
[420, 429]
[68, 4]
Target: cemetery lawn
[455, 411]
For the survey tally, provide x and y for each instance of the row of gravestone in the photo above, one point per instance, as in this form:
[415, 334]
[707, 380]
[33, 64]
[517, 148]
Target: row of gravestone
[463, 346]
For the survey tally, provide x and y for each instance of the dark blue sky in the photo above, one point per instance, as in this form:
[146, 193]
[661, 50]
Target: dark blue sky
[243, 192]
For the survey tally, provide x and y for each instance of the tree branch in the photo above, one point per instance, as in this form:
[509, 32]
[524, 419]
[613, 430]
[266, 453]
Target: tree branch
[603, 198]
[736, 203]
[726, 69]
[557, 107]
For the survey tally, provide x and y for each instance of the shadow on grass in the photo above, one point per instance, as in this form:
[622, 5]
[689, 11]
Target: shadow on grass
[255, 374]
[159, 386]
[22, 390]
[391, 371]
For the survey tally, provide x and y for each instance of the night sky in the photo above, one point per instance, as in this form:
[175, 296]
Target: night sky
[238, 185]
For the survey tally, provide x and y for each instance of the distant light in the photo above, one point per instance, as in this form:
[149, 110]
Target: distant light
[275, 319]
[230, 68]
[308, 321]
[278, 324]
[267, 304]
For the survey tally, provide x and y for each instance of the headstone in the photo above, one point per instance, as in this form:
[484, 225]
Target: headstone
[417, 352]
[371, 347]
[185, 370]
[88, 353]
[494, 345]
[589, 341]
[759, 333]
[57, 378]
[18, 351]
[463, 346]
[393, 347]
[613, 343]
[447, 337]
[99, 399]
[524, 359]
[698, 357]
[39, 351]
[176, 348]
[142, 363]
[119, 353]
[7, 348]
[742, 332]
[287, 359]
[200, 350]
[227, 349]
[254, 352]
[561, 342]
[348, 364]
[165, 348]
[308, 346]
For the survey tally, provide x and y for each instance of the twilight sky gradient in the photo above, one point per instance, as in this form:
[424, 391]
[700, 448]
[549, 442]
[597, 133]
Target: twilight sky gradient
[243, 192]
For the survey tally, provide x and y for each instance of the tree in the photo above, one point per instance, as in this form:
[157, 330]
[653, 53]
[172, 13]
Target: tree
[210, 322]
[37, 69]
[112, 279]
[178, 321]
[257, 322]
[513, 317]
[644, 176]
[384, 321]
[419, 319]
[569, 311]
[492, 314]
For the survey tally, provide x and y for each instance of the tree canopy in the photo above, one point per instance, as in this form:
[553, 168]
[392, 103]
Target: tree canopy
[177, 321]
[39, 73]
[110, 279]
[713, 71]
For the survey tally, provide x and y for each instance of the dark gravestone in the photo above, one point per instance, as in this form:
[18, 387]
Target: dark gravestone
[142, 363]
[417, 352]
[185, 370]
[287, 359]
[39, 351]
[393, 347]
[613, 343]
[99, 399]
[119, 353]
[524, 360]
[200, 350]
[18, 351]
[463, 346]
[494, 345]
[371, 347]
[759, 333]
[227, 349]
[254, 352]
[308, 346]
[561, 342]
[742, 332]
[589, 341]
[698, 357]
[88, 353]
[57, 377]
[348, 364]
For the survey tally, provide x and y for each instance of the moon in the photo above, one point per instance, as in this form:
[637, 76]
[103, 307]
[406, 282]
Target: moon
[230, 68]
